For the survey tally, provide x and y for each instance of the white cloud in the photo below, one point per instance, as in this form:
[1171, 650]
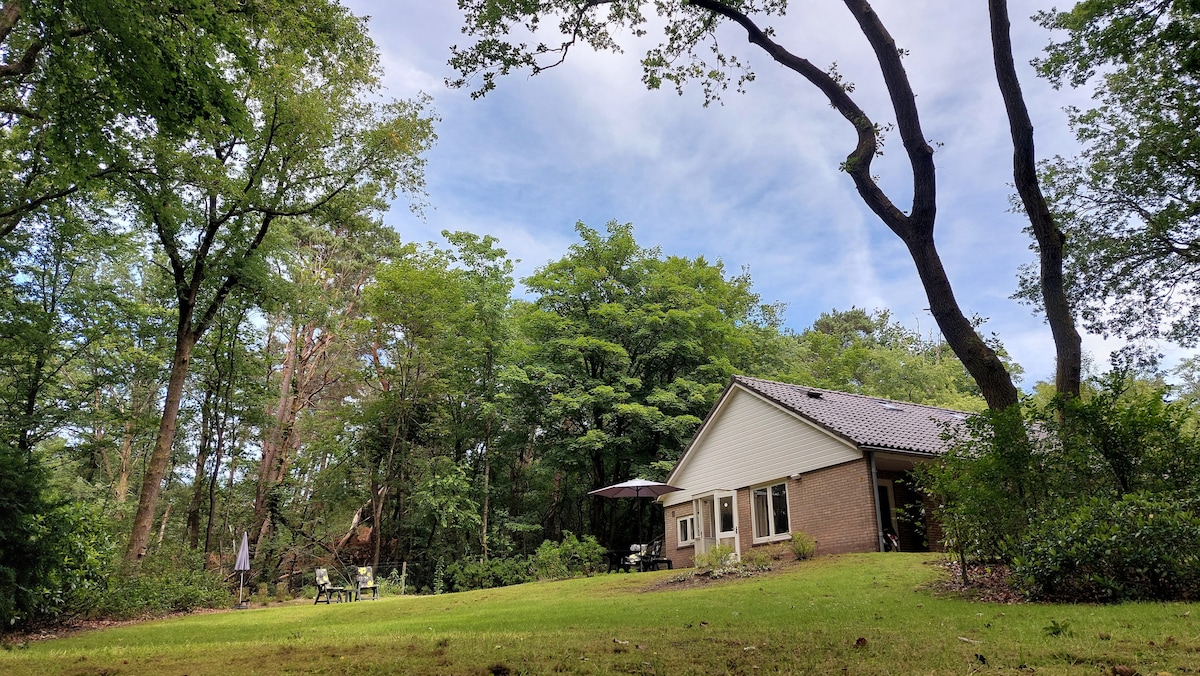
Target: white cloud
[753, 182]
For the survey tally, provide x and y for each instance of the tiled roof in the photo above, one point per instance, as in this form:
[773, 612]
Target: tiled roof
[864, 421]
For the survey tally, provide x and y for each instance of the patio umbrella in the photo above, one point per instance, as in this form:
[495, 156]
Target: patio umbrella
[636, 488]
[243, 564]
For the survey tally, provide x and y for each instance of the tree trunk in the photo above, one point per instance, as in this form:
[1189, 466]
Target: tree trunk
[156, 468]
[487, 476]
[277, 437]
[980, 360]
[1050, 240]
[914, 227]
[203, 450]
[124, 462]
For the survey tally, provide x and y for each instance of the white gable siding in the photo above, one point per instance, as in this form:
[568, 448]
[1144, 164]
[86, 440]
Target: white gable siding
[751, 440]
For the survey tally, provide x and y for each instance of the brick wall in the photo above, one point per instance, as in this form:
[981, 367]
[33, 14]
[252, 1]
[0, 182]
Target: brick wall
[681, 557]
[836, 507]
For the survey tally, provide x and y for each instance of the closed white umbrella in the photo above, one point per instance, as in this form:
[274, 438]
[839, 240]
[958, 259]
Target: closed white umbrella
[243, 564]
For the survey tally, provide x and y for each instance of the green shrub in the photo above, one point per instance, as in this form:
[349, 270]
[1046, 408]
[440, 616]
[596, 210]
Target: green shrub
[50, 552]
[803, 546]
[1139, 547]
[166, 582]
[717, 558]
[474, 574]
[308, 592]
[757, 559]
[571, 557]
[391, 584]
[1062, 488]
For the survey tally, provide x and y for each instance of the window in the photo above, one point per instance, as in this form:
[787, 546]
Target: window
[770, 509]
[687, 530]
[726, 509]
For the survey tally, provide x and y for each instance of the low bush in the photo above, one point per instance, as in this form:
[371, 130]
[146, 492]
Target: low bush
[758, 559]
[803, 546]
[571, 557]
[1138, 547]
[714, 560]
[473, 574]
[391, 584]
[48, 559]
[166, 582]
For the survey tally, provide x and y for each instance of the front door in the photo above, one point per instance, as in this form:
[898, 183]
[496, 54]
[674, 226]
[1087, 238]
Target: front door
[717, 521]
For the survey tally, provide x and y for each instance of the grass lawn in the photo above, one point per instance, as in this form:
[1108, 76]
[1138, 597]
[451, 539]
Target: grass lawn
[808, 618]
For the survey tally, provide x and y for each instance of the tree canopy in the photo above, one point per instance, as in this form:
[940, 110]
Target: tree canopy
[510, 35]
[1130, 202]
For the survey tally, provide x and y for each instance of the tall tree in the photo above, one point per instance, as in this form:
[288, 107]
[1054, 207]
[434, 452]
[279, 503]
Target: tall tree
[1130, 202]
[486, 276]
[324, 263]
[630, 349]
[211, 200]
[69, 89]
[415, 308]
[1049, 237]
[690, 32]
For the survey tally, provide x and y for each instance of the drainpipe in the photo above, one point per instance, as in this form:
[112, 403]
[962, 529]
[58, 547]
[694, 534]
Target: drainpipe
[875, 500]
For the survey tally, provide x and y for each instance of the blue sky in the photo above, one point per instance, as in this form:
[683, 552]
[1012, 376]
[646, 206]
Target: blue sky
[753, 182]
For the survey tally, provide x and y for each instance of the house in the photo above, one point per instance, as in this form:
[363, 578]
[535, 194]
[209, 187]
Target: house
[771, 459]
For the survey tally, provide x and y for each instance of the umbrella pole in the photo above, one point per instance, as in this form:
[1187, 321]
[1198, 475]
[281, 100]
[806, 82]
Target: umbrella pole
[637, 492]
[241, 583]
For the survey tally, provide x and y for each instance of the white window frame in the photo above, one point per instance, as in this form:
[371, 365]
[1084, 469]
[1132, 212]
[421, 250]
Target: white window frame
[690, 521]
[771, 535]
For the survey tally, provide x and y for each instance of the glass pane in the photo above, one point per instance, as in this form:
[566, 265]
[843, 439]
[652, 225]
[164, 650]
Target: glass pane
[761, 516]
[779, 503]
[684, 533]
[726, 515]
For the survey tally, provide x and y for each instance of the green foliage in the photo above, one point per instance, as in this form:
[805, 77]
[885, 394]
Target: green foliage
[1056, 628]
[465, 575]
[689, 35]
[1087, 498]
[1141, 546]
[51, 555]
[869, 353]
[803, 546]
[714, 560]
[757, 559]
[626, 351]
[168, 581]
[570, 558]
[1129, 203]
